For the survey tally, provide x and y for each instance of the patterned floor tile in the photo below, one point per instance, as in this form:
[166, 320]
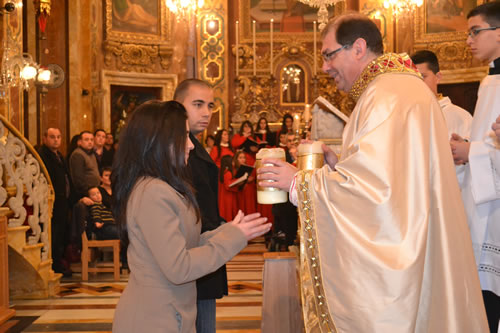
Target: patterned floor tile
[89, 306]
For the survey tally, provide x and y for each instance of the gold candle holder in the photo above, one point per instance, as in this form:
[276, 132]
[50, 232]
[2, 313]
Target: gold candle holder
[310, 156]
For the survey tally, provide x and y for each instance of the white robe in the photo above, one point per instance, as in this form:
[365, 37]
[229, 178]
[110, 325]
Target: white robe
[481, 190]
[384, 240]
[458, 121]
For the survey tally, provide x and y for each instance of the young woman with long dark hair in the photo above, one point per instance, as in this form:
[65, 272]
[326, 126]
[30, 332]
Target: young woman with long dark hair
[264, 133]
[286, 127]
[156, 210]
[222, 146]
[238, 141]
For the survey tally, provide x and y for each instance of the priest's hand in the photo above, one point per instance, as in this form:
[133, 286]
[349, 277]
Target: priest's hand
[252, 225]
[496, 127]
[279, 175]
[459, 149]
[330, 157]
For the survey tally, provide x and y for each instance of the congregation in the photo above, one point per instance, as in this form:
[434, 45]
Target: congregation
[85, 174]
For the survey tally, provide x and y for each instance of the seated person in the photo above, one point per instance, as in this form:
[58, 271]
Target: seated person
[101, 220]
[105, 187]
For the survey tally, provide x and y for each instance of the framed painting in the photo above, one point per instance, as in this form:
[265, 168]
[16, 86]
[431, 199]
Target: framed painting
[124, 91]
[291, 17]
[142, 21]
[447, 15]
[124, 100]
[441, 26]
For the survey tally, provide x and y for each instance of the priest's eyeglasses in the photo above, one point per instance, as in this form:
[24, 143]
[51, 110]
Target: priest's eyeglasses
[329, 56]
[474, 32]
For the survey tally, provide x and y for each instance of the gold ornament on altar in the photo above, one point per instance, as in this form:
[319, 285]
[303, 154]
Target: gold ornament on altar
[322, 12]
[402, 7]
[182, 8]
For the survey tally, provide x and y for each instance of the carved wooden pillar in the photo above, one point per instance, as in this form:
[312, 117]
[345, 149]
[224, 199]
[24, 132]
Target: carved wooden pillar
[5, 311]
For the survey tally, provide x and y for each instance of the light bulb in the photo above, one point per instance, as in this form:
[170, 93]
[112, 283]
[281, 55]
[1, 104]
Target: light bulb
[44, 75]
[28, 72]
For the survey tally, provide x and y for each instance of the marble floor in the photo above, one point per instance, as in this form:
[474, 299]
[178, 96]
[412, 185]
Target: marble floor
[89, 306]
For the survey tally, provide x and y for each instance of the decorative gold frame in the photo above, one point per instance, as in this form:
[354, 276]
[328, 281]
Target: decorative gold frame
[454, 56]
[167, 83]
[263, 37]
[164, 28]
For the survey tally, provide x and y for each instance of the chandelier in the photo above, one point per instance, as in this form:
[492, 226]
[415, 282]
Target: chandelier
[322, 12]
[182, 8]
[402, 8]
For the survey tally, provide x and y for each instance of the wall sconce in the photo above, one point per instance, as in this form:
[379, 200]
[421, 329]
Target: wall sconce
[19, 69]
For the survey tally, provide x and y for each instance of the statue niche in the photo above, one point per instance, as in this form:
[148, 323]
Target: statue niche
[293, 88]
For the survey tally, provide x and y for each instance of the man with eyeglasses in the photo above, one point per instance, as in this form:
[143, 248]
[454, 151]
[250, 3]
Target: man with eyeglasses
[481, 188]
[386, 246]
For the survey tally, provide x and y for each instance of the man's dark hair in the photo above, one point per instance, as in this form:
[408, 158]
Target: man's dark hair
[46, 131]
[183, 87]
[426, 57]
[490, 12]
[350, 27]
[104, 169]
[99, 130]
[85, 132]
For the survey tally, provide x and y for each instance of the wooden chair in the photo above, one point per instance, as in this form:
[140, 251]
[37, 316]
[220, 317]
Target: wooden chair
[88, 244]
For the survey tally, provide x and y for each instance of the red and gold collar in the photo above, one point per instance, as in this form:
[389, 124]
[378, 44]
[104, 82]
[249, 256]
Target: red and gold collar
[387, 63]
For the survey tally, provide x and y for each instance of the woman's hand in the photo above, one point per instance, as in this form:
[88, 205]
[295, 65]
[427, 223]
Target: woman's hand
[251, 225]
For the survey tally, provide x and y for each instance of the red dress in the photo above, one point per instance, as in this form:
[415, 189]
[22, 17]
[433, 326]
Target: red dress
[237, 141]
[224, 151]
[228, 204]
[247, 198]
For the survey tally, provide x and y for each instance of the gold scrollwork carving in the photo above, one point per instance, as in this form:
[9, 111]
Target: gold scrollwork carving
[136, 57]
[165, 56]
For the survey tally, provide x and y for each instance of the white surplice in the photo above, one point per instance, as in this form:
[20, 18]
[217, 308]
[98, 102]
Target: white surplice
[458, 121]
[481, 189]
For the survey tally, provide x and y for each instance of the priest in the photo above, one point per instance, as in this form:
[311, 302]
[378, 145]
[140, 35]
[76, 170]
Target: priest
[384, 240]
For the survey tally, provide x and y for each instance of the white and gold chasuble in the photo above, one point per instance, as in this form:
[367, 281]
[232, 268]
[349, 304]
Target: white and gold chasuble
[385, 245]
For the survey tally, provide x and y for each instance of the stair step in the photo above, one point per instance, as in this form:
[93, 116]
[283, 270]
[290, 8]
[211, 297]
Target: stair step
[16, 237]
[54, 285]
[32, 253]
[45, 269]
